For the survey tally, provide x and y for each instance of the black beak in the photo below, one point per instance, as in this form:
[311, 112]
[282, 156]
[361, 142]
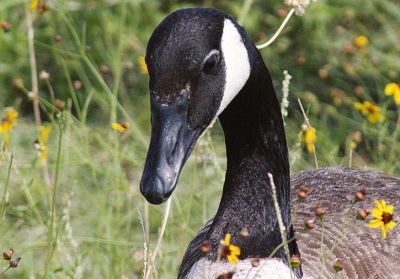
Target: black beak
[172, 141]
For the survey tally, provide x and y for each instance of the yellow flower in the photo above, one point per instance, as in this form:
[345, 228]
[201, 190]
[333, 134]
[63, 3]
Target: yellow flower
[371, 111]
[142, 65]
[309, 138]
[40, 144]
[229, 251]
[34, 4]
[383, 215]
[120, 126]
[6, 125]
[361, 41]
[393, 89]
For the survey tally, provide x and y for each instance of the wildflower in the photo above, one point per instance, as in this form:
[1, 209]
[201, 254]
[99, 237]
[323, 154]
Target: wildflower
[40, 144]
[295, 261]
[309, 138]
[361, 41]
[142, 65]
[229, 251]
[39, 6]
[371, 111]
[120, 126]
[393, 89]
[338, 265]
[383, 215]
[6, 125]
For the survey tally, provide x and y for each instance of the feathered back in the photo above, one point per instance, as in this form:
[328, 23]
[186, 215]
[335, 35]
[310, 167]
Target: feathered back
[364, 251]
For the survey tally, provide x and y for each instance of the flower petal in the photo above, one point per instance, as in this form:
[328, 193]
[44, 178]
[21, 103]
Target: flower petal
[384, 231]
[375, 224]
[376, 213]
[227, 240]
[391, 225]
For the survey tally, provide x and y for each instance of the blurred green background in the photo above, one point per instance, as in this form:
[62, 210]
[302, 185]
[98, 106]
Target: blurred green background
[91, 51]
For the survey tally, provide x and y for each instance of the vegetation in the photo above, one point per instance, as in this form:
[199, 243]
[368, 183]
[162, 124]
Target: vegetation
[70, 204]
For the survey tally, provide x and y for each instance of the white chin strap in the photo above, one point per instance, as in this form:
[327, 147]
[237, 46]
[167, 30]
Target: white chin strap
[236, 62]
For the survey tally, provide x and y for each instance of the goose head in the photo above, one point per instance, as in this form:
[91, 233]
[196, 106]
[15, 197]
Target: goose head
[198, 61]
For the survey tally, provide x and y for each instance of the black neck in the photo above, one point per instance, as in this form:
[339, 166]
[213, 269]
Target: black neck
[255, 146]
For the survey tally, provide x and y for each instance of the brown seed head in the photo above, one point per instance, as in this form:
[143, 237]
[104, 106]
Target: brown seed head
[362, 214]
[320, 211]
[228, 275]
[14, 262]
[205, 247]
[244, 233]
[295, 261]
[77, 84]
[323, 73]
[338, 265]
[59, 104]
[360, 195]
[105, 69]
[5, 25]
[303, 192]
[255, 262]
[42, 7]
[7, 255]
[309, 224]
[57, 38]
[18, 83]
[44, 75]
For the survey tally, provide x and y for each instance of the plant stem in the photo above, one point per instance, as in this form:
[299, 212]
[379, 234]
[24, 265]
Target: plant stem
[245, 10]
[160, 237]
[3, 203]
[278, 32]
[32, 59]
[52, 240]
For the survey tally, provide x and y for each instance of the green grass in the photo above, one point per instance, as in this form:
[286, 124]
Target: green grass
[96, 230]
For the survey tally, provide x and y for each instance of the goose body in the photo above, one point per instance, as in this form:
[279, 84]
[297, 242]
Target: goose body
[202, 65]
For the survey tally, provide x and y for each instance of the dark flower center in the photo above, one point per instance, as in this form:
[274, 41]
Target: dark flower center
[386, 217]
[225, 252]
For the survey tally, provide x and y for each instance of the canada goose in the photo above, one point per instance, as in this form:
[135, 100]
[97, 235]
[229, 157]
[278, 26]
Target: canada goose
[202, 65]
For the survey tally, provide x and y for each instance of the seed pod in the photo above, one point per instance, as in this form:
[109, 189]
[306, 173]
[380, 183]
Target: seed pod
[360, 195]
[205, 247]
[295, 261]
[244, 233]
[255, 262]
[338, 265]
[362, 214]
[320, 211]
[7, 255]
[309, 224]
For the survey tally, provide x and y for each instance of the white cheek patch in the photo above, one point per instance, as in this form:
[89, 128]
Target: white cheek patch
[236, 62]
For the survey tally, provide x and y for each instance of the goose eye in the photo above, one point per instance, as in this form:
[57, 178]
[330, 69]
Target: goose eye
[211, 62]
